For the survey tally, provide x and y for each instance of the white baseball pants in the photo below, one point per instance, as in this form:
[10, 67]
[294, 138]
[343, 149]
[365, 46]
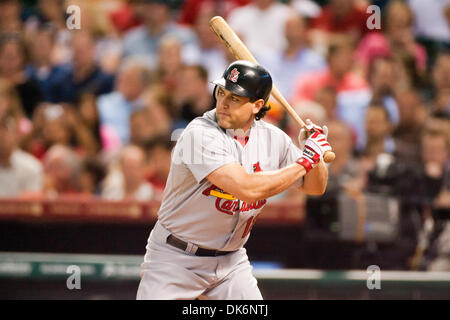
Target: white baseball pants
[170, 273]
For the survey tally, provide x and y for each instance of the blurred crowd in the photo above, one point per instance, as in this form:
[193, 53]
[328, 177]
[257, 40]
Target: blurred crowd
[90, 112]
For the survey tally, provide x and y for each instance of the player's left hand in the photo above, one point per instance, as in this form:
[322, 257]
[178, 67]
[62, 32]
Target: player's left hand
[309, 130]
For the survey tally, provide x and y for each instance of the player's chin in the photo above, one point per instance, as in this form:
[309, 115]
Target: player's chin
[224, 124]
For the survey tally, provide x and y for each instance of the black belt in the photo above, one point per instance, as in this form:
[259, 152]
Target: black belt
[180, 244]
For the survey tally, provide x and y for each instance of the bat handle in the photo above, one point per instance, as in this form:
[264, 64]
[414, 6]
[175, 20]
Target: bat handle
[329, 156]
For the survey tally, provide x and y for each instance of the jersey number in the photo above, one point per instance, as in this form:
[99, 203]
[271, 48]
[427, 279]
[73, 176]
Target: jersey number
[249, 226]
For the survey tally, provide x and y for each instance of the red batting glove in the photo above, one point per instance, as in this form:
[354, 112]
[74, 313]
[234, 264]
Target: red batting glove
[315, 147]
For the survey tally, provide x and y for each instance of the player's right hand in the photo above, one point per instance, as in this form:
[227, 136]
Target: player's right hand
[308, 130]
[315, 147]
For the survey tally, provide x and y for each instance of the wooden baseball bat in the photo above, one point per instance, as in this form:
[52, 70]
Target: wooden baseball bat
[224, 32]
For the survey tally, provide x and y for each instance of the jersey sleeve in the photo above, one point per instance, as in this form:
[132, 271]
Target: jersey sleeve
[204, 150]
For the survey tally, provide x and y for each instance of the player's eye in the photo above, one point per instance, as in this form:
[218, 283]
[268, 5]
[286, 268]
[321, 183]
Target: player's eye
[234, 99]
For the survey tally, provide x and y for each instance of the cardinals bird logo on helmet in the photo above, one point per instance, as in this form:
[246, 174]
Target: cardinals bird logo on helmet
[234, 74]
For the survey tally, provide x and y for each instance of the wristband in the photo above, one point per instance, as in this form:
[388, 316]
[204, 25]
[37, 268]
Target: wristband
[305, 163]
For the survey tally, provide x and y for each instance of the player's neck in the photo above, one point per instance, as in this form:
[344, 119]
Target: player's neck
[248, 125]
[238, 132]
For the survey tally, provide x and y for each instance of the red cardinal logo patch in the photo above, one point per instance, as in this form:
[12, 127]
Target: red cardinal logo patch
[234, 74]
[256, 167]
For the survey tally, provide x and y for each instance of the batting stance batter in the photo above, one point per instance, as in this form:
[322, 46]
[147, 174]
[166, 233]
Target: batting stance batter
[224, 167]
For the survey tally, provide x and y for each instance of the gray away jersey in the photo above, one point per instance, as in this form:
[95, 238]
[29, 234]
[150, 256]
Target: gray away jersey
[197, 211]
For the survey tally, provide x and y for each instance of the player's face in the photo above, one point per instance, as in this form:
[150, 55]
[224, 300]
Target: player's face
[235, 112]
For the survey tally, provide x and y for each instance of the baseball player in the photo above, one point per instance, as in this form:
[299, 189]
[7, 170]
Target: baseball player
[224, 166]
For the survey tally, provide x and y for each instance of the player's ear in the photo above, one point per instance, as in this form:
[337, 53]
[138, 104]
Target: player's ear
[257, 105]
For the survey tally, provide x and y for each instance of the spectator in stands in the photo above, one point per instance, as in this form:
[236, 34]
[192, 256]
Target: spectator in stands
[407, 133]
[342, 16]
[409, 75]
[145, 40]
[13, 58]
[260, 25]
[435, 196]
[378, 128]
[61, 165]
[380, 159]
[440, 106]
[124, 18]
[378, 153]
[344, 177]
[192, 97]
[140, 129]
[397, 38]
[431, 26]
[345, 171]
[127, 180]
[169, 62]
[161, 110]
[10, 107]
[388, 172]
[108, 41]
[327, 98]
[352, 90]
[20, 173]
[383, 80]
[115, 108]
[436, 167]
[88, 117]
[306, 8]
[10, 21]
[151, 121]
[41, 68]
[211, 52]
[55, 124]
[83, 75]
[295, 60]
[50, 13]
[81, 138]
[47, 12]
[191, 9]
[54, 129]
[159, 151]
[339, 74]
[90, 177]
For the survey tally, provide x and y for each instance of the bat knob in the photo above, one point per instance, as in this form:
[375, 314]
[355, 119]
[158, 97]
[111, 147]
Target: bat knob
[329, 156]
